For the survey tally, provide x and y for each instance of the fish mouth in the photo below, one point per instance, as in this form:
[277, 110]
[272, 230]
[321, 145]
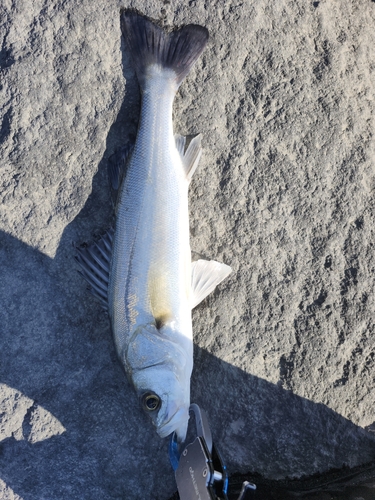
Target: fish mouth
[176, 423]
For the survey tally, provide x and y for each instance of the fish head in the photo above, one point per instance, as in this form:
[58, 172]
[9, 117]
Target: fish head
[160, 370]
[164, 399]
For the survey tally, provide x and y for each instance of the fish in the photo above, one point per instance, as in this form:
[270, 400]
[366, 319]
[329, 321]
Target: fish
[141, 270]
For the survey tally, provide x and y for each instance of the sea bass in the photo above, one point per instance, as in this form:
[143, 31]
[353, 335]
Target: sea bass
[142, 270]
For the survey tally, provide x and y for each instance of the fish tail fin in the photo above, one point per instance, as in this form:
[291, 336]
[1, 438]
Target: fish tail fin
[151, 45]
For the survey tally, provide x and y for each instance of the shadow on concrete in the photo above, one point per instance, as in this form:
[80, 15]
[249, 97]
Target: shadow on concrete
[56, 349]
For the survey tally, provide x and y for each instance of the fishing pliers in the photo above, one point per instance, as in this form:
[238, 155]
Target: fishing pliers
[199, 470]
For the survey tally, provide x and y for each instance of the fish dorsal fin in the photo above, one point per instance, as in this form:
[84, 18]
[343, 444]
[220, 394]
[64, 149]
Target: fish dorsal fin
[94, 262]
[205, 276]
[116, 168]
[190, 158]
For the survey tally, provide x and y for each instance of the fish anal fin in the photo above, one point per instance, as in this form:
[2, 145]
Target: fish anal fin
[190, 158]
[180, 144]
[205, 276]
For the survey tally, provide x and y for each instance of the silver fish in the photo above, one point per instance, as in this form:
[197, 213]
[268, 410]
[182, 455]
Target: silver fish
[148, 281]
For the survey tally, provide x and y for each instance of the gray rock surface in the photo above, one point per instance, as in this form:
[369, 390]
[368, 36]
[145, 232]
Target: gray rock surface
[284, 358]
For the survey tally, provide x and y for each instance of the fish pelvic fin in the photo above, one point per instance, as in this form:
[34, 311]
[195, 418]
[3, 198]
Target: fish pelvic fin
[205, 276]
[94, 261]
[151, 45]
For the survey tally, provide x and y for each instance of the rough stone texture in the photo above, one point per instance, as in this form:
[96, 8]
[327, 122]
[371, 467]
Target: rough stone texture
[284, 358]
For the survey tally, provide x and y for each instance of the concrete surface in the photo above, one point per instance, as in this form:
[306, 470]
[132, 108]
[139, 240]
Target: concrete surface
[284, 356]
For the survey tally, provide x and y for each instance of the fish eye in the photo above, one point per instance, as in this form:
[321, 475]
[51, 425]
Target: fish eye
[150, 401]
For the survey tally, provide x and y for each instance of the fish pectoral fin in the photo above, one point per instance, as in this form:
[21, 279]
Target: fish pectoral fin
[94, 262]
[162, 319]
[205, 276]
[190, 158]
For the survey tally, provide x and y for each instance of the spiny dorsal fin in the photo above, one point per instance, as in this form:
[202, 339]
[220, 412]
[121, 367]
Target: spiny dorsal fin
[94, 262]
[190, 158]
[205, 276]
